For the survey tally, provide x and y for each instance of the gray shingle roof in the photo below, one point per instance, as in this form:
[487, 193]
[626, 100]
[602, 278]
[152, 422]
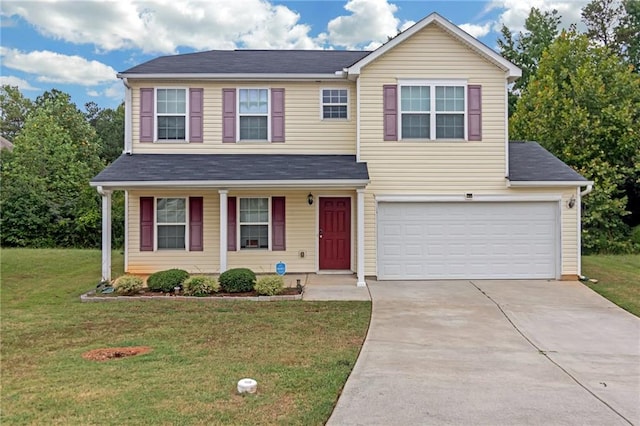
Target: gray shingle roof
[528, 161]
[252, 62]
[231, 167]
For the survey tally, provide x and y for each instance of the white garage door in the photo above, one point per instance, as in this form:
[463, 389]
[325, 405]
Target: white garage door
[467, 240]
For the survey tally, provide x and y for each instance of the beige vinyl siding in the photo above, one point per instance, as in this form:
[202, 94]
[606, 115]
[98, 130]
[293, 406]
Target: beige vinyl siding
[301, 235]
[305, 131]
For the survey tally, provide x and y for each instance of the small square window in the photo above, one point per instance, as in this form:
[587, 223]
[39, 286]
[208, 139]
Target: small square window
[335, 103]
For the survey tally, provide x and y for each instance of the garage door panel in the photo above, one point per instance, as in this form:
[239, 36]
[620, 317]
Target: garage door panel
[467, 240]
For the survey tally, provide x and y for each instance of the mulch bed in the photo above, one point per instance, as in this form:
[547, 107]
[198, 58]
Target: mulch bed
[287, 291]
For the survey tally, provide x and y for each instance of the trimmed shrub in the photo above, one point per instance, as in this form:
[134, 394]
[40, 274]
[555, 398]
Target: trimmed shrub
[166, 281]
[269, 285]
[128, 284]
[237, 280]
[200, 286]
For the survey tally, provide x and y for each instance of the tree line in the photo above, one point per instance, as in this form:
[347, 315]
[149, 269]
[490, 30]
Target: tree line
[579, 97]
[46, 200]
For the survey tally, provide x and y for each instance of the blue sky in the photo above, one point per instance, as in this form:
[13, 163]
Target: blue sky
[79, 46]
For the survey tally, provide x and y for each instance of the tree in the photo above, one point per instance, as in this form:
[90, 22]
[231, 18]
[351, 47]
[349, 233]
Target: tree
[583, 105]
[615, 24]
[109, 125]
[46, 198]
[14, 109]
[525, 49]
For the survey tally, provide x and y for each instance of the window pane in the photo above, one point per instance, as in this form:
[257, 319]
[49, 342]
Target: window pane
[415, 98]
[254, 101]
[334, 111]
[253, 128]
[450, 98]
[334, 96]
[171, 210]
[171, 101]
[415, 126]
[449, 126]
[171, 237]
[254, 210]
[254, 236]
[170, 127]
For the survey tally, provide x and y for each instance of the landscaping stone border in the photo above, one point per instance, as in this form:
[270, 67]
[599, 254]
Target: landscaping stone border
[90, 296]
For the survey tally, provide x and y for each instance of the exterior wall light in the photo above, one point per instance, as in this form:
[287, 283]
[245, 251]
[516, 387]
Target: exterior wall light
[310, 199]
[572, 202]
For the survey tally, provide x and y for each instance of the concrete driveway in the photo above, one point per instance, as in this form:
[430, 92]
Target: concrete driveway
[494, 353]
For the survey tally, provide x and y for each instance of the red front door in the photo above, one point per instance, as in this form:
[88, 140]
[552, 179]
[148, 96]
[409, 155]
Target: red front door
[335, 233]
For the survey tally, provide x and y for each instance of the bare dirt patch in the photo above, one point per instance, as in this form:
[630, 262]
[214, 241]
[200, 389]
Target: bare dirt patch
[106, 354]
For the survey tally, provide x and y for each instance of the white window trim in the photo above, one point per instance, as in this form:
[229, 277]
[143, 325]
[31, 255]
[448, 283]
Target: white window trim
[269, 225]
[268, 89]
[432, 107]
[156, 115]
[322, 104]
[156, 224]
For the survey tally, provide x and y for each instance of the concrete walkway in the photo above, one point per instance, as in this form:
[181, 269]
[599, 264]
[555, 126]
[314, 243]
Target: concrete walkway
[323, 287]
[494, 353]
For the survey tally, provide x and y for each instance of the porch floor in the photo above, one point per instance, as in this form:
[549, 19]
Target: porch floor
[329, 287]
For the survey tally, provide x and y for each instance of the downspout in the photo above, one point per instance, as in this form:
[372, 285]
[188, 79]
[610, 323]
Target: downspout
[581, 194]
[127, 118]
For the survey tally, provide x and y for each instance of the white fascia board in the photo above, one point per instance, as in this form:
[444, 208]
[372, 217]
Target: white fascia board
[512, 71]
[541, 183]
[214, 76]
[445, 198]
[325, 183]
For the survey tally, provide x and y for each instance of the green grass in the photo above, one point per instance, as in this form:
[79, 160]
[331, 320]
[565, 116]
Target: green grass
[618, 279]
[301, 353]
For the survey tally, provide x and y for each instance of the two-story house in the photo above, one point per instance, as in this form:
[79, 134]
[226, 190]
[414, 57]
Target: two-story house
[394, 163]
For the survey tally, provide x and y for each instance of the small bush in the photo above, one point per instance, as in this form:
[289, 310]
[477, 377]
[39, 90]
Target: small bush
[237, 280]
[270, 285]
[128, 284]
[166, 281]
[200, 286]
[635, 237]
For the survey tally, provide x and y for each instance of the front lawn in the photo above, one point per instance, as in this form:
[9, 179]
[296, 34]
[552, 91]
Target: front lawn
[618, 279]
[301, 353]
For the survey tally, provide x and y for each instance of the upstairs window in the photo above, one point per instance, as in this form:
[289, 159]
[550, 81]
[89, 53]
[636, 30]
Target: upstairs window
[171, 114]
[253, 114]
[335, 103]
[432, 111]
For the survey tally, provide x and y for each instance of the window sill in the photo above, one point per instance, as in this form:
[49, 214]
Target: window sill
[254, 141]
[171, 141]
[433, 140]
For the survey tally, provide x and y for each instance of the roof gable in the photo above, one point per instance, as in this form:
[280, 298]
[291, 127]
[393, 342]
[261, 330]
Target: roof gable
[512, 71]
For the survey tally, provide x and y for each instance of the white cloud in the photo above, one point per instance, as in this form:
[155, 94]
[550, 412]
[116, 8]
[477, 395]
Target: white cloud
[515, 12]
[370, 21]
[52, 67]
[114, 91]
[16, 81]
[477, 31]
[161, 26]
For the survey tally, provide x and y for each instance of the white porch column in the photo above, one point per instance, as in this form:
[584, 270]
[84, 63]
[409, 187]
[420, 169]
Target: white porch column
[223, 229]
[360, 237]
[106, 233]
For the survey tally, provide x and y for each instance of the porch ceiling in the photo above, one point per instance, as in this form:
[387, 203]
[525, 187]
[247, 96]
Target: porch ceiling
[233, 170]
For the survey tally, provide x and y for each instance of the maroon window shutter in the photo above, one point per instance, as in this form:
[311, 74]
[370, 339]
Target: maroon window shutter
[229, 115]
[277, 115]
[278, 223]
[390, 107]
[146, 223]
[474, 113]
[146, 115]
[231, 224]
[195, 115]
[195, 224]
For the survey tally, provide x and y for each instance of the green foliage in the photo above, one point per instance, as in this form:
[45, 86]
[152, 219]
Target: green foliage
[128, 284]
[109, 126]
[635, 236]
[166, 281]
[583, 105]
[270, 285]
[237, 280]
[525, 49]
[200, 285]
[46, 198]
[14, 109]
